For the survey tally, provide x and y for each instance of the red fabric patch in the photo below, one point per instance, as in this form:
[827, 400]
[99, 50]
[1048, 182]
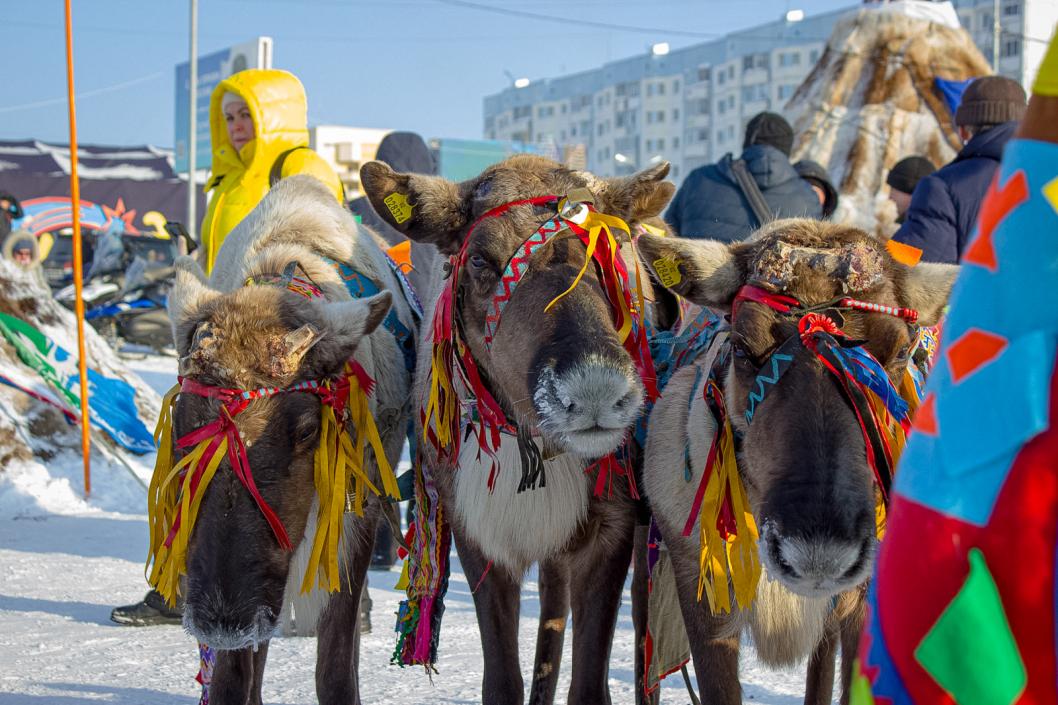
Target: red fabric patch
[974, 349]
[926, 417]
[997, 204]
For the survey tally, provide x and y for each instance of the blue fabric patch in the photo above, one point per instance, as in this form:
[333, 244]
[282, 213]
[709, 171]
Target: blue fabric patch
[985, 419]
[951, 92]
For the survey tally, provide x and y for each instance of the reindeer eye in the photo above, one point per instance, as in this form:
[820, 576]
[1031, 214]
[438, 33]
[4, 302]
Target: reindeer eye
[478, 262]
[483, 189]
[306, 430]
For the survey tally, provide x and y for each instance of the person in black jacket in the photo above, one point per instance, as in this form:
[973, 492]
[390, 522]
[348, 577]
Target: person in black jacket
[711, 204]
[944, 206]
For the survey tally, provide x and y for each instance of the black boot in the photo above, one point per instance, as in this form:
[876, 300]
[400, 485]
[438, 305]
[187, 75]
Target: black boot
[152, 610]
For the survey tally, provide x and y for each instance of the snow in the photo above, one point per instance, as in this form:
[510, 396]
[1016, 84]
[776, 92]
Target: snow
[67, 561]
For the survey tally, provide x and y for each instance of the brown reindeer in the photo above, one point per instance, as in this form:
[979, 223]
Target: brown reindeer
[235, 335]
[802, 458]
[562, 377]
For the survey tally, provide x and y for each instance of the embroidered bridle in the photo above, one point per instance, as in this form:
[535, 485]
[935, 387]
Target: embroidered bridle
[856, 371]
[577, 216]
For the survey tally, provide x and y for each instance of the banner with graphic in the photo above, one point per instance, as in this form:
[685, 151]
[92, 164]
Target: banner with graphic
[111, 402]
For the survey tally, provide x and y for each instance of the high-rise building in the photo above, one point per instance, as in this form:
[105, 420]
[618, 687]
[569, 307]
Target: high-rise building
[690, 105]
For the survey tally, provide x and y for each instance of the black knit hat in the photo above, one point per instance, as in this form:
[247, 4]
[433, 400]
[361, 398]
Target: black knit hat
[816, 173]
[771, 129]
[991, 100]
[907, 172]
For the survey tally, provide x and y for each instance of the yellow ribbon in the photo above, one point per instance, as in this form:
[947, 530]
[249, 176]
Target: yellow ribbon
[735, 559]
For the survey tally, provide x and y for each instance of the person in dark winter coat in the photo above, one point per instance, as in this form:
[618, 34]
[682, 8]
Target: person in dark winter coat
[817, 177]
[944, 206]
[407, 153]
[902, 180]
[710, 203]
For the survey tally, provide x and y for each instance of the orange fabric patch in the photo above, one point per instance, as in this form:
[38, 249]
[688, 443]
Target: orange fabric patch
[997, 204]
[974, 349]
[926, 417]
[401, 254]
[904, 254]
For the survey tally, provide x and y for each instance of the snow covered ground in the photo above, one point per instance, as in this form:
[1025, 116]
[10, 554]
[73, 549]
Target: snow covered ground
[65, 562]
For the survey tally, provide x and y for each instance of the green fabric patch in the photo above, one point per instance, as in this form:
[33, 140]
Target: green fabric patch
[860, 688]
[970, 651]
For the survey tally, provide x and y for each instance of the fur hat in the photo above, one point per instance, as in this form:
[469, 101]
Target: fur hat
[230, 98]
[771, 129]
[907, 172]
[991, 100]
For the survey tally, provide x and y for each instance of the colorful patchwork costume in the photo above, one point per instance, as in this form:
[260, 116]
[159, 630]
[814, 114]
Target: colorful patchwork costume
[963, 608]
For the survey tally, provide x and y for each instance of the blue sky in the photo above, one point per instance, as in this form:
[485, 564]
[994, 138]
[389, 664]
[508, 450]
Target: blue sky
[422, 65]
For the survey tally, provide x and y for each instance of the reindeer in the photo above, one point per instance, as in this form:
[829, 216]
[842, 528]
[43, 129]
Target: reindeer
[801, 453]
[560, 383]
[277, 316]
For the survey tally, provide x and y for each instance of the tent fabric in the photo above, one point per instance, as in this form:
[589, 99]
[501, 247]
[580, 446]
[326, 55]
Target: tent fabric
[951, 91]
[140, 176]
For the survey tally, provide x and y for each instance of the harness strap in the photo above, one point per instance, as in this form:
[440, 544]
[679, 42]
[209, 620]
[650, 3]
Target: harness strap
[361, 286]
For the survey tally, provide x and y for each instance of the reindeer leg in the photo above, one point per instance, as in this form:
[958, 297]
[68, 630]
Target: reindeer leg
[597, 579]
[851, 629]
[237, 676]
[554, 608]
[338, 633]
[715, 656]
[819, 685]
[496, 601]
[640, 599]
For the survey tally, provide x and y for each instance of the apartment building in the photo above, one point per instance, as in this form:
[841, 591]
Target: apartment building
[345, 149]
[690, 105]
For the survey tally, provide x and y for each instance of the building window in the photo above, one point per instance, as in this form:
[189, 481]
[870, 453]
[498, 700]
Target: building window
[649, 145]
[731, 132]
[1011, 47]
[721, 107]
[661, 144]
[703, 135]
[703, 73]
[563, 108]
[813, 56]
[703, 106]
[721, 78]
[572, 133]
[661, 89]
[675, 114]
[731, 102]
[522, 112]
[562, 137]
[675, 142]
[600, 129]
[1011, 10]
[786, 90]
[790, 59]
[650, 90]
[675, 171]
[747, 62]
[660, 116]
[676, 86]
[731, 71]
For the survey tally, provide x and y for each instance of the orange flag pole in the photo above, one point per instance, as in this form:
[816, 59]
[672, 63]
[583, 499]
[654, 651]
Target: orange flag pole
[78, 278]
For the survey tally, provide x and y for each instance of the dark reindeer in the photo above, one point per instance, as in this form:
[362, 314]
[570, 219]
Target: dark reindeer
[244, 337]
[802, 459]
[563, 379]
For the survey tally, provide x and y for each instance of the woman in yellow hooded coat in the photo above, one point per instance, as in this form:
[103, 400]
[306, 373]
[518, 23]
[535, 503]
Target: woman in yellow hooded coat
[272, 134]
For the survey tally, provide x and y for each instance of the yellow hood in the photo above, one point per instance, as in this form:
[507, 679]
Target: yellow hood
[280, 117]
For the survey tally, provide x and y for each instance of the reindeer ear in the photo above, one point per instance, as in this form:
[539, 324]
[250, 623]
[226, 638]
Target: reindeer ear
[345, 325]
[927, 288]
[640, 196]
[702, 271]
[427, 209]
[186, 299]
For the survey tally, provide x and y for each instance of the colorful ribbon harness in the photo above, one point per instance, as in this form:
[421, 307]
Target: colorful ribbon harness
[728, 532]
[176, 491]
[448, 413]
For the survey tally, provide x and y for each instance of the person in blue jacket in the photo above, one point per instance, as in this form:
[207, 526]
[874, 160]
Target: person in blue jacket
[944, 205]
[711, 204]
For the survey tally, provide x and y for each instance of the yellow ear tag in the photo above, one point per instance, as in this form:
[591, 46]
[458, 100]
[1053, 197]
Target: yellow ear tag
[398, 206]
[668, 272]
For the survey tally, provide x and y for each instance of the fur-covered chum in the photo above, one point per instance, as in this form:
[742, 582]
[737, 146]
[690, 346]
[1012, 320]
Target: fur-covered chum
[232, 332]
